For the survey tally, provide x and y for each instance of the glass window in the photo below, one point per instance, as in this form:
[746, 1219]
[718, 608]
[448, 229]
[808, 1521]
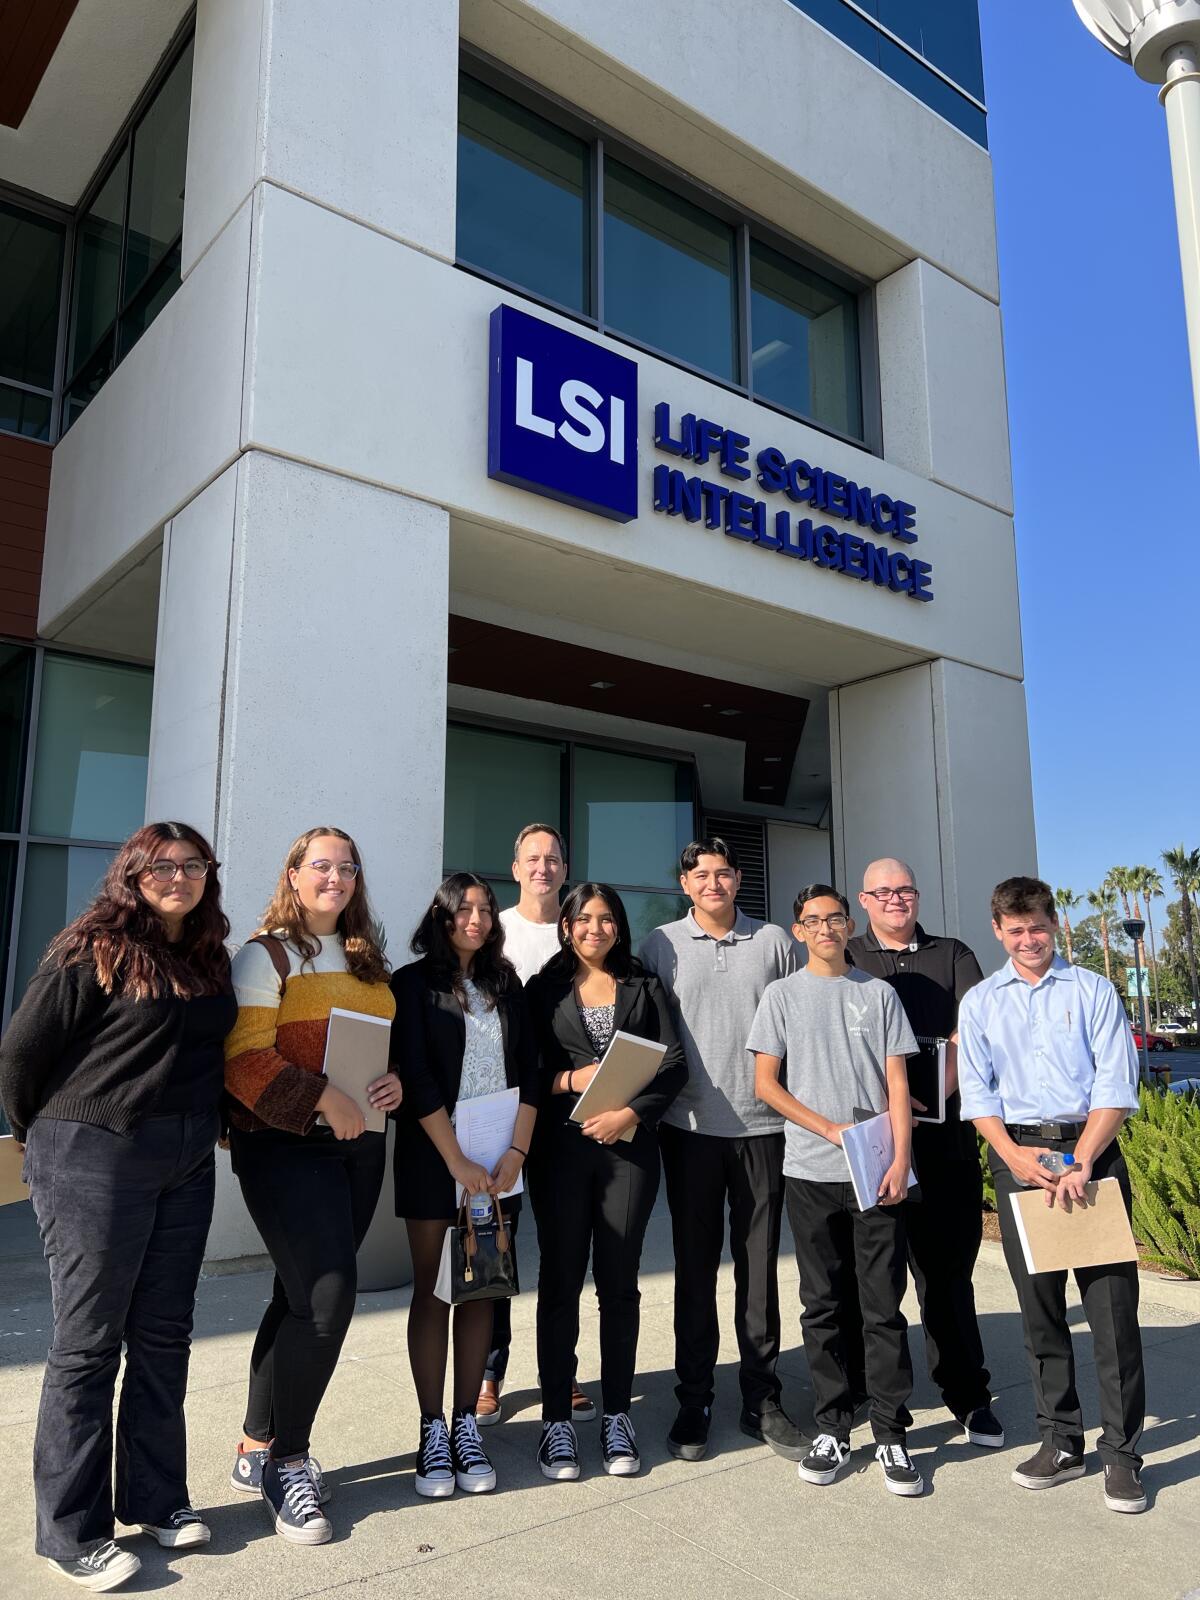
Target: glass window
[495, 784]
[89, 772]
[155, 292]
[98, 268]
[936, 93]
[31, 262]
[945, 32]
[522, 197]
[633, 815]
[159, 167]
[59, 882]
[804, 341]
[669, 274]
[649, 911]
[24, 413]
[8, 886]
[16, 688]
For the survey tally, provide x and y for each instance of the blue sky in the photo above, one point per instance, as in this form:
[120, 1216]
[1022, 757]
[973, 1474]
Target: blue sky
[1107, 478]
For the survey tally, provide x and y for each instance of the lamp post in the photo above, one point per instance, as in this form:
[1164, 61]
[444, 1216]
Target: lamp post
[1134, 929]
[1161, 41]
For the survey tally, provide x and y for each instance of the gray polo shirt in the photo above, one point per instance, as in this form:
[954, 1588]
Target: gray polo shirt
[714, 986]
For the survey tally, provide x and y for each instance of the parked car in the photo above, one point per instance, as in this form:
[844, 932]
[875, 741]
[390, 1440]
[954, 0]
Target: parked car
[1184, 1086]
[1173, 1027]
[1154, 1041]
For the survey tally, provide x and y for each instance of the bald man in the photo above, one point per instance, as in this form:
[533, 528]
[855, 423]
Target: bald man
[944, 1219]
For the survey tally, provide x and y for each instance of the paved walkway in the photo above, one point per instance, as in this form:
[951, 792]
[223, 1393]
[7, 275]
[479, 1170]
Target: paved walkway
[738, 1524]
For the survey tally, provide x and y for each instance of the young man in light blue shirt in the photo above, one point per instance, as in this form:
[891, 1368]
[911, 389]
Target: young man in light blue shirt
[1046, 1063]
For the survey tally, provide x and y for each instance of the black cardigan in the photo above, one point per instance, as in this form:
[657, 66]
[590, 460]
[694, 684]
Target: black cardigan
[641, 1009]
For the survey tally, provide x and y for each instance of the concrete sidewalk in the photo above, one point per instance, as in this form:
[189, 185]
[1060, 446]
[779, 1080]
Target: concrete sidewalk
[738, 1524]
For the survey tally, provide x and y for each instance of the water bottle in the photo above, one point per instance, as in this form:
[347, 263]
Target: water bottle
[481, 1208]
[1056, 1162]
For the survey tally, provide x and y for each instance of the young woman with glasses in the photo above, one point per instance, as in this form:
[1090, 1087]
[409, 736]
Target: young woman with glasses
[111, 1074]
[310, 1173]
[592, 1190]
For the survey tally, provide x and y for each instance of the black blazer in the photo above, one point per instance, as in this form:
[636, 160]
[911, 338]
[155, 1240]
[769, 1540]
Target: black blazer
[641, 1009]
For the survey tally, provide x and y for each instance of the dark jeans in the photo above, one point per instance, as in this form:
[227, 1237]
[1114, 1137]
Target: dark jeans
[312, 1198]
[123, 1221]
[837, 1247]
[704, 1174]
[1110, 1303]
[497, 1361]
[597, 1198]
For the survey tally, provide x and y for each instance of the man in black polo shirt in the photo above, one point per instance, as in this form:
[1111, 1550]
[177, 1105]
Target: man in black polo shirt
[944, 1220]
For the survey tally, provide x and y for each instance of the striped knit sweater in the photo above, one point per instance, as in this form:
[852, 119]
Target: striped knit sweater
[274, 1056]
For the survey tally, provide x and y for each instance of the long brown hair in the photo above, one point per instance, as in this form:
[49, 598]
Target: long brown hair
[356, 926]
[125, 939]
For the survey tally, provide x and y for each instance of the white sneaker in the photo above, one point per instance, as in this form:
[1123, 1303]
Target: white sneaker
[181, 1530]
[102, 1567]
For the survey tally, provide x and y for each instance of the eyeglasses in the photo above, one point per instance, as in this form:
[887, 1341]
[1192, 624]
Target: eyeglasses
[837, 923]
[344, 869]
[907, 893]
[168, 871]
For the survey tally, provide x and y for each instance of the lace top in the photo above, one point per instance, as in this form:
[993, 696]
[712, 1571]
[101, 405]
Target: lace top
[483, 1055]
[598, 1025]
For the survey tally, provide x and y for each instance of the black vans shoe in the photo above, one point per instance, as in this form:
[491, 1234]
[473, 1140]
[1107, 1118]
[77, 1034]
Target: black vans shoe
[899, 1474]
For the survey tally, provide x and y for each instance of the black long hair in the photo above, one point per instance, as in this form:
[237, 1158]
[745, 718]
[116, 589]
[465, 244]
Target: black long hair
[491, 971]
[620, 960]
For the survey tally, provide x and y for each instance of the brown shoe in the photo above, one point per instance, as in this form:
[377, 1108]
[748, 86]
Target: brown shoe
[583, 1407]
[487, 1407]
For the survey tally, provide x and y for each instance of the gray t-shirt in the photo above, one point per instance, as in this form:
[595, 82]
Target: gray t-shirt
[714, 986]
[836, 1034]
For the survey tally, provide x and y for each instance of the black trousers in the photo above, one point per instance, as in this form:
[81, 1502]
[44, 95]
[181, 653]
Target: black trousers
[704, 1174]
[1110, 1303]
[312, 1198]
[497, 1361]
[124, 1221]
[839, 1247]
[595, 1198]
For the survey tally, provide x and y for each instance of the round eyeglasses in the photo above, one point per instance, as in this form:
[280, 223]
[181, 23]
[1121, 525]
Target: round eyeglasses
[344, 869]
[168, 871]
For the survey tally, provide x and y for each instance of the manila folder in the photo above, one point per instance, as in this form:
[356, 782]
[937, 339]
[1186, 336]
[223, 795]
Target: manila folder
[1091, 1235]
[628, 1066]
[356, 1053]
[12, 1158]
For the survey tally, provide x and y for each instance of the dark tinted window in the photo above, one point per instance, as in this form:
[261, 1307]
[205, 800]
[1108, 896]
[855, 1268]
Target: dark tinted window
[31, 262]
[803, 341]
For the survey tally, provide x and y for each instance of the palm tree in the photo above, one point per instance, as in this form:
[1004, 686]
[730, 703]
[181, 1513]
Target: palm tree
[1103, 902]
[1149, 881]
[1066, 900]
[1184, 867]
[1118, 880]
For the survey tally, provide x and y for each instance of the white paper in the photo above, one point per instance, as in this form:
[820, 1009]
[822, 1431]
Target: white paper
[484, 1128]
[870, 1149]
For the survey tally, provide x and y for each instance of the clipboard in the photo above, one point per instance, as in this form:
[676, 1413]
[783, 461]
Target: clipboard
[927, 1082]
[1093, 1235]
[356, 1053]
[12, 1159]
[628, 1066]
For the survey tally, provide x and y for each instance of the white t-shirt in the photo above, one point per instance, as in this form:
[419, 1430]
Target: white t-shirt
[528, 945]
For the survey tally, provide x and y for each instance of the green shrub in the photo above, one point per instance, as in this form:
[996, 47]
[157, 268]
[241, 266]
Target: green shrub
[989, 1183]
[1161, 1145]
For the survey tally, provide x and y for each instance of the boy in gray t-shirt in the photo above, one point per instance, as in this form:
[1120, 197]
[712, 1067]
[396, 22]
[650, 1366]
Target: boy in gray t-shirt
[844, 1037]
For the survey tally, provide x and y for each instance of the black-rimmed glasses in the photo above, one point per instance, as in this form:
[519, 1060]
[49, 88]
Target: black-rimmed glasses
[168, 871]
[906, 892]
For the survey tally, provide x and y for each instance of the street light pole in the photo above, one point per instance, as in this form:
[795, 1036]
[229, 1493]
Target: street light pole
[1161, 40]
[1134, 929]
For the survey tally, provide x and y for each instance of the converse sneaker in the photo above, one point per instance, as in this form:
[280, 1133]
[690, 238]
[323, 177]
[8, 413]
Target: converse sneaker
[558, 1452]
[983, 1427]
[101, 1567]
[291, 1502]
[473, 1472]
[825, 1460]
[435, 1470]
[688, 1438]
[618, 1444]
[181, 1530]
[1048, 1467]
[1123, 1489]
[899, 1474]
[246, 1476]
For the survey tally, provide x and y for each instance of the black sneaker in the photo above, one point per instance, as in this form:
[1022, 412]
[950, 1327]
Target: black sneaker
[824, 1460]
[473, 1472]
[1123, 1489]
[291, 1502]
[558, 1452]
[1049, 1466]
[248, 1465]
[983, 1427]
[688, 1438]
[899, 1474]
[102, 1566]
[435, 1469]
[772, 1425]
[618, 1444]
[181, 1530]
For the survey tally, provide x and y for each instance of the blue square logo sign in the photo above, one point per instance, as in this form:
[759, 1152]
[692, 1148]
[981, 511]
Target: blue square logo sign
[562, 415]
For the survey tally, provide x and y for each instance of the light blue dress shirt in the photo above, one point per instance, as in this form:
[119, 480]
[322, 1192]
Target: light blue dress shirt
[1045, 1052]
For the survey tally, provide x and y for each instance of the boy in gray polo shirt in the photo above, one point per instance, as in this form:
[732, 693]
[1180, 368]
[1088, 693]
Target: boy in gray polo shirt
[845, 1038]
[721, 1146]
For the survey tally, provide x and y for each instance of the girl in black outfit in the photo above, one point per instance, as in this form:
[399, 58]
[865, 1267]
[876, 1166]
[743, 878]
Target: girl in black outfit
[592, 1191]
[111, 1073]
[461, 1031]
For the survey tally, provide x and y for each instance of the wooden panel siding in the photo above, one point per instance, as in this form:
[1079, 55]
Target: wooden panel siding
[24, 497]
[29, 34]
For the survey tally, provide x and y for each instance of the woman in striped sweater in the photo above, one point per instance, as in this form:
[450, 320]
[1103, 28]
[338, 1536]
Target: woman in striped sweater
[311, 1188]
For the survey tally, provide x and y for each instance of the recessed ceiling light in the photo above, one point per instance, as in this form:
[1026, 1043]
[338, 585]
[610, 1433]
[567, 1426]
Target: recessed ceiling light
[765, 788]
[770, 760]
[729, 711]
[602, 683]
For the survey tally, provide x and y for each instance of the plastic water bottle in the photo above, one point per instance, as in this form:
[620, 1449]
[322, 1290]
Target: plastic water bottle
[1057, 1162]
[481, 1208]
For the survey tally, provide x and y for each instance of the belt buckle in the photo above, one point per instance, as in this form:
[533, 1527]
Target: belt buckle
[1050, 1130]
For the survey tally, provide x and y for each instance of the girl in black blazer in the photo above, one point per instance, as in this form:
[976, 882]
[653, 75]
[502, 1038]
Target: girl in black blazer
[461, 1031]
[591, 1190]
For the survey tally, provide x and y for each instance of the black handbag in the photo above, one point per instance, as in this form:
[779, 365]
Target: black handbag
[477, 1259]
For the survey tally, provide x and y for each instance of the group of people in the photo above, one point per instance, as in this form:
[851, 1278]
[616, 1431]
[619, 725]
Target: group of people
[138, 1045]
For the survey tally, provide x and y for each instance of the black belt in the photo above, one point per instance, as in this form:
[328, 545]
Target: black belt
[1047, 1130]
